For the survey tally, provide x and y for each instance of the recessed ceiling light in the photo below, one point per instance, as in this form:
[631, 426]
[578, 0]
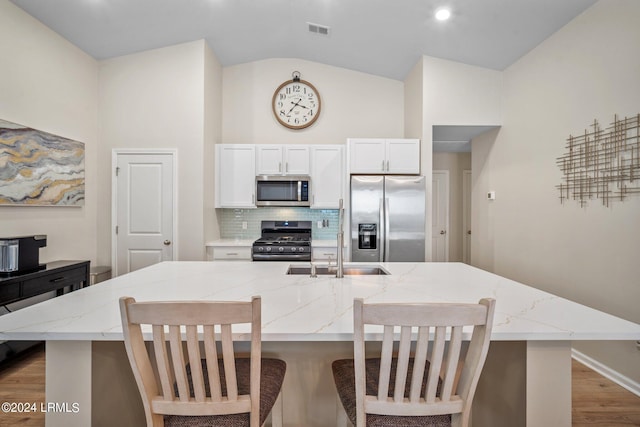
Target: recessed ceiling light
[443, 14]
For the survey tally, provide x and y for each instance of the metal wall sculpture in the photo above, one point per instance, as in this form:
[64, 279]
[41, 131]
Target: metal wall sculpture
[39, 169]
[602, 164]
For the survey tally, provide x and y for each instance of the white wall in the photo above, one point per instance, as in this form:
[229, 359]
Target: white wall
[460, 94]
[413, 102]
[212, 136]
[587, 70]
[354, 104]
[50, 85]
[156, 99]
[454, 94]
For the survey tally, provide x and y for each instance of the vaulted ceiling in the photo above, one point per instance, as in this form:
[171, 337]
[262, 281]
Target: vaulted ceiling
[380, 37]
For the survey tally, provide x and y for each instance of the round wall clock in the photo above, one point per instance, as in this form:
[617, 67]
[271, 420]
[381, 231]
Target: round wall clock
[296, 103]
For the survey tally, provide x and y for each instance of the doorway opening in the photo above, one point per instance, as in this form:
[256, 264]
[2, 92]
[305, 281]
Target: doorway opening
[452, 151]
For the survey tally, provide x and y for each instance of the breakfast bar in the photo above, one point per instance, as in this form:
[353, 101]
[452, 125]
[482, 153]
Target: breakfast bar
[307, 321]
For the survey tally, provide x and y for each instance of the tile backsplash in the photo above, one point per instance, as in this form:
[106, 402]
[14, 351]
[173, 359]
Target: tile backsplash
[231, 221]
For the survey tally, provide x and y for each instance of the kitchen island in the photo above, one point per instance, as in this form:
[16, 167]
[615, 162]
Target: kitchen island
[308, 322]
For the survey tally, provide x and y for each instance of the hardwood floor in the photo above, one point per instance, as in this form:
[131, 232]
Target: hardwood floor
[596, 400]
[22, 381]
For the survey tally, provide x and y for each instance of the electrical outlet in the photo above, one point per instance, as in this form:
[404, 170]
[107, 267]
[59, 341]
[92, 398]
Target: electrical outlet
[244, 225]
[320, 224]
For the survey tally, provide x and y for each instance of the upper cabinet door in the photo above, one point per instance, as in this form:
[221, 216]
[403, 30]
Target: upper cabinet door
[235, 176]
[282, 159]
[296, 160]
[384, 156]
[367, 155]
[269, 160]
[327, 176]
[403, 156]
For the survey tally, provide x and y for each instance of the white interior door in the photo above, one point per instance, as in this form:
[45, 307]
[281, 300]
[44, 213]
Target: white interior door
[440, 215]
[466, 216]
[144, 210]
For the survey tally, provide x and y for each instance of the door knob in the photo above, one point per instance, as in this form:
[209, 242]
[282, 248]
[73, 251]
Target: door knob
[469, 232]
[167, 242]
[443, 232]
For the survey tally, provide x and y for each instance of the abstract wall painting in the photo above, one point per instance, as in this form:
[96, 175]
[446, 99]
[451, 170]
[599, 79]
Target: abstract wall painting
[39, 169]
[602, 163]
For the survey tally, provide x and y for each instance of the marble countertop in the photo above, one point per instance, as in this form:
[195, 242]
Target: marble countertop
[301, 308]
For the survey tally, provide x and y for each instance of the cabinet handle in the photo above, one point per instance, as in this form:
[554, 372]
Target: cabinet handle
[253, 198]
[387, 165]
[56, 280]
[232, 253]
[383, 166]
[279, 166]
[287, 167]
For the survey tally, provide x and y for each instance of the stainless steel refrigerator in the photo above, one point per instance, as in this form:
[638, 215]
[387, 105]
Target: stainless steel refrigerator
[387, 218]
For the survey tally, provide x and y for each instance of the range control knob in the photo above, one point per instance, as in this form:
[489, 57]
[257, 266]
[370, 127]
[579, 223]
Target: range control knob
[260, 249]
[268, 248]
[301, 249]
[293, 248]
[280, 249]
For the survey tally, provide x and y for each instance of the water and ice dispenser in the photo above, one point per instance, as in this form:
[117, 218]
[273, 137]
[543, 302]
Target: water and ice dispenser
[367, 236]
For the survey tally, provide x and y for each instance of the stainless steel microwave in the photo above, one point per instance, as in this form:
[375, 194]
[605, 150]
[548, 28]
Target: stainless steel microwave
[273, 190]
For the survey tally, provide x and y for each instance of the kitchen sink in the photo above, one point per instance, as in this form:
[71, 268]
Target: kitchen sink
[349, 270]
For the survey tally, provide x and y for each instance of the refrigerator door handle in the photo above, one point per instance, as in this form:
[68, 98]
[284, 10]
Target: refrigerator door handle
[382, 232]
[387, 255]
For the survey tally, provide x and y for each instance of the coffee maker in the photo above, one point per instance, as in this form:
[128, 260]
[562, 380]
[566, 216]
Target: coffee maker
[21, 254]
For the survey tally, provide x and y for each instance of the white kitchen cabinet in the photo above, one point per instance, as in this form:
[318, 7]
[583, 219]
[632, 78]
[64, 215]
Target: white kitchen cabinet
[324, 253]
[327, 176]
[384, 156]
[282, 159]
[235, 176]
[229, 253]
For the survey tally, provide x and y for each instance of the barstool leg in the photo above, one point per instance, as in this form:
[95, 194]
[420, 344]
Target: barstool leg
[341, 415]
[276, 412]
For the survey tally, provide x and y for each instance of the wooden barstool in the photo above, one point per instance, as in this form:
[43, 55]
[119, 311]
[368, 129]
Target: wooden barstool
[410, 390]
[216, 388]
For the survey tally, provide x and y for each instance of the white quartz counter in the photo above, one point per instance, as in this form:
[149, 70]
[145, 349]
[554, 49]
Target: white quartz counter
[301, 308]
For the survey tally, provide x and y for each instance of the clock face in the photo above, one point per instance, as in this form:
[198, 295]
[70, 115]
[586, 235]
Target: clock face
[296, 104]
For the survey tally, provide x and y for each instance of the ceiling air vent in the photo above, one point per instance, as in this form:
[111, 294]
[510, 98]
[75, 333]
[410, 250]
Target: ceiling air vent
[322, 30]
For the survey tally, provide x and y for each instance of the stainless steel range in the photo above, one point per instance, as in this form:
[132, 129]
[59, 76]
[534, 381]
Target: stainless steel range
[283, 241]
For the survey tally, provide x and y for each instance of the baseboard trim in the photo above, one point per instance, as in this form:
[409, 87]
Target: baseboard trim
[607, 372]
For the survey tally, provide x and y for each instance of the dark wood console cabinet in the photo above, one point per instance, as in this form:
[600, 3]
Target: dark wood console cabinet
[58, 276]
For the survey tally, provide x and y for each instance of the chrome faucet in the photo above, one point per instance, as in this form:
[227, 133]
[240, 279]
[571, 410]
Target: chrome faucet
[313, 269]
[340, 239]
